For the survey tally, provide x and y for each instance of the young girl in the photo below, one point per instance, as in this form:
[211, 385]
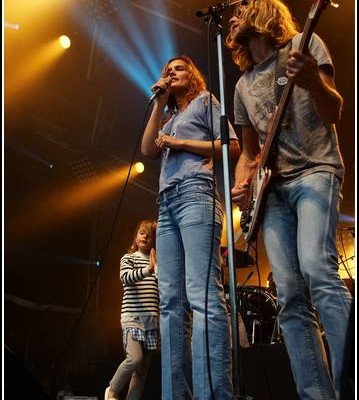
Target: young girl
[139, 313]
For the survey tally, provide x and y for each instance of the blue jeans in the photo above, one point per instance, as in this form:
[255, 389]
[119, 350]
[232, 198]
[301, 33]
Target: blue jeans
[299, 229]
[184, 245]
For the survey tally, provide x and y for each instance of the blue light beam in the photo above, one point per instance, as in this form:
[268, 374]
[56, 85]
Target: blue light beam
[123, 56]
[134, 54]
[138, 40]
[163, 34]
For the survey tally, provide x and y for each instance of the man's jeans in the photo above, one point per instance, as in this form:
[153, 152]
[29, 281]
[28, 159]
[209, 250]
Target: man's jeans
[300, 237]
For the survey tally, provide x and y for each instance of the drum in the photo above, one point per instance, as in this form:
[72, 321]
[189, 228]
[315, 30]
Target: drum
[259, 311]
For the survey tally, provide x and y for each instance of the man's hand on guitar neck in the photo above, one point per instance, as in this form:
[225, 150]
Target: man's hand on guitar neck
[303, 70]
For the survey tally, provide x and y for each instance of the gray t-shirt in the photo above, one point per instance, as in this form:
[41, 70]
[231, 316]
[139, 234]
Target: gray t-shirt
[306, 143]
[193, 123]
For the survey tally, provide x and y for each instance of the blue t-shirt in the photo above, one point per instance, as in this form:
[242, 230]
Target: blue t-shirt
[193, 123]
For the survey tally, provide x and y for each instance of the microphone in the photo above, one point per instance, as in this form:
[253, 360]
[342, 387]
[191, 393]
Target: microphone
[218, 7]
[157, 91]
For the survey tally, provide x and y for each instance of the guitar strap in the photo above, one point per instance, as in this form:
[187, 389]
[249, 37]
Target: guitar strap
[280, 81]
[280, 76]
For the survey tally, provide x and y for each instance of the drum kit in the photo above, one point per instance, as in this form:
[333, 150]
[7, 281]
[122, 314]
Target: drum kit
[257, 308]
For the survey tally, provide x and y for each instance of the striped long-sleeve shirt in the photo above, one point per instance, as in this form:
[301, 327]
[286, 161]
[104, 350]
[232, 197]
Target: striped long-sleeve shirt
[140, 289]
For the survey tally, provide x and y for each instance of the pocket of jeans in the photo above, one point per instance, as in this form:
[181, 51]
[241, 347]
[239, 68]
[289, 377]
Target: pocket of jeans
[198, 209]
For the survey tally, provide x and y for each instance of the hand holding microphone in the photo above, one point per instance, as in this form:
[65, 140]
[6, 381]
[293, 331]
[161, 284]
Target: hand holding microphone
[159, 88]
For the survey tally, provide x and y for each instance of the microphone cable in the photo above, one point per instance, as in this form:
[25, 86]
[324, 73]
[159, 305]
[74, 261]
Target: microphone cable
[108, 242]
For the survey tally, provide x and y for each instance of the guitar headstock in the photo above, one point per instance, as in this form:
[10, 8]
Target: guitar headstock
[313, 16]
[318, 6]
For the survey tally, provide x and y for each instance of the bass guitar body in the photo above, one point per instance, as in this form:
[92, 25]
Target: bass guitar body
[251, 216]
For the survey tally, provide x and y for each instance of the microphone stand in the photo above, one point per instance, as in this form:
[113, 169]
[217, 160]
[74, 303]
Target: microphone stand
[215, 13]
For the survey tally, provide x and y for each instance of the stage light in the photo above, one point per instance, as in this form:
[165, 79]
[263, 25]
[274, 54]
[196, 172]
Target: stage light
[64, 203]
[21, 148]
[32, 68]
[139, 167]
[64, 41]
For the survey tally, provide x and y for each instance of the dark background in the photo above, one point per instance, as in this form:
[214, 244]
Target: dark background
[83, 116]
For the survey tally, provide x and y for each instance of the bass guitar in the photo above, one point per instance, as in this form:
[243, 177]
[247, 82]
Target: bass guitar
[252, 213]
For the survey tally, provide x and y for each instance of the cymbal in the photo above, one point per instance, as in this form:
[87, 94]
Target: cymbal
[241, 259]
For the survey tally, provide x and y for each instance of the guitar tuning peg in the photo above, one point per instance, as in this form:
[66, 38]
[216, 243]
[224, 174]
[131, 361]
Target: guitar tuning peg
[335, 5]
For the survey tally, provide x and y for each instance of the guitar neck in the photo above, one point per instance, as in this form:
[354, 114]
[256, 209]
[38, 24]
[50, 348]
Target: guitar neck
[276, 123]
[310, 23]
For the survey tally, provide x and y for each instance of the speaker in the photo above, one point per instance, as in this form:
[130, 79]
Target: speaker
[19, 383]
[265, 373]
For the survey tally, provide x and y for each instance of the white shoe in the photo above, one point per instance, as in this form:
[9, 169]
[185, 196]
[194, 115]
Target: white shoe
[107, 395]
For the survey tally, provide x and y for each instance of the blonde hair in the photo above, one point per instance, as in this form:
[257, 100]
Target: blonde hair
[150, 226]
[270, 20]
[197, 84]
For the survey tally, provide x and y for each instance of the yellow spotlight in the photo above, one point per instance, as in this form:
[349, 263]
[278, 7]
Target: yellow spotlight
[64, 41]
[64, 203]
[139, 167]
[32, 68]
